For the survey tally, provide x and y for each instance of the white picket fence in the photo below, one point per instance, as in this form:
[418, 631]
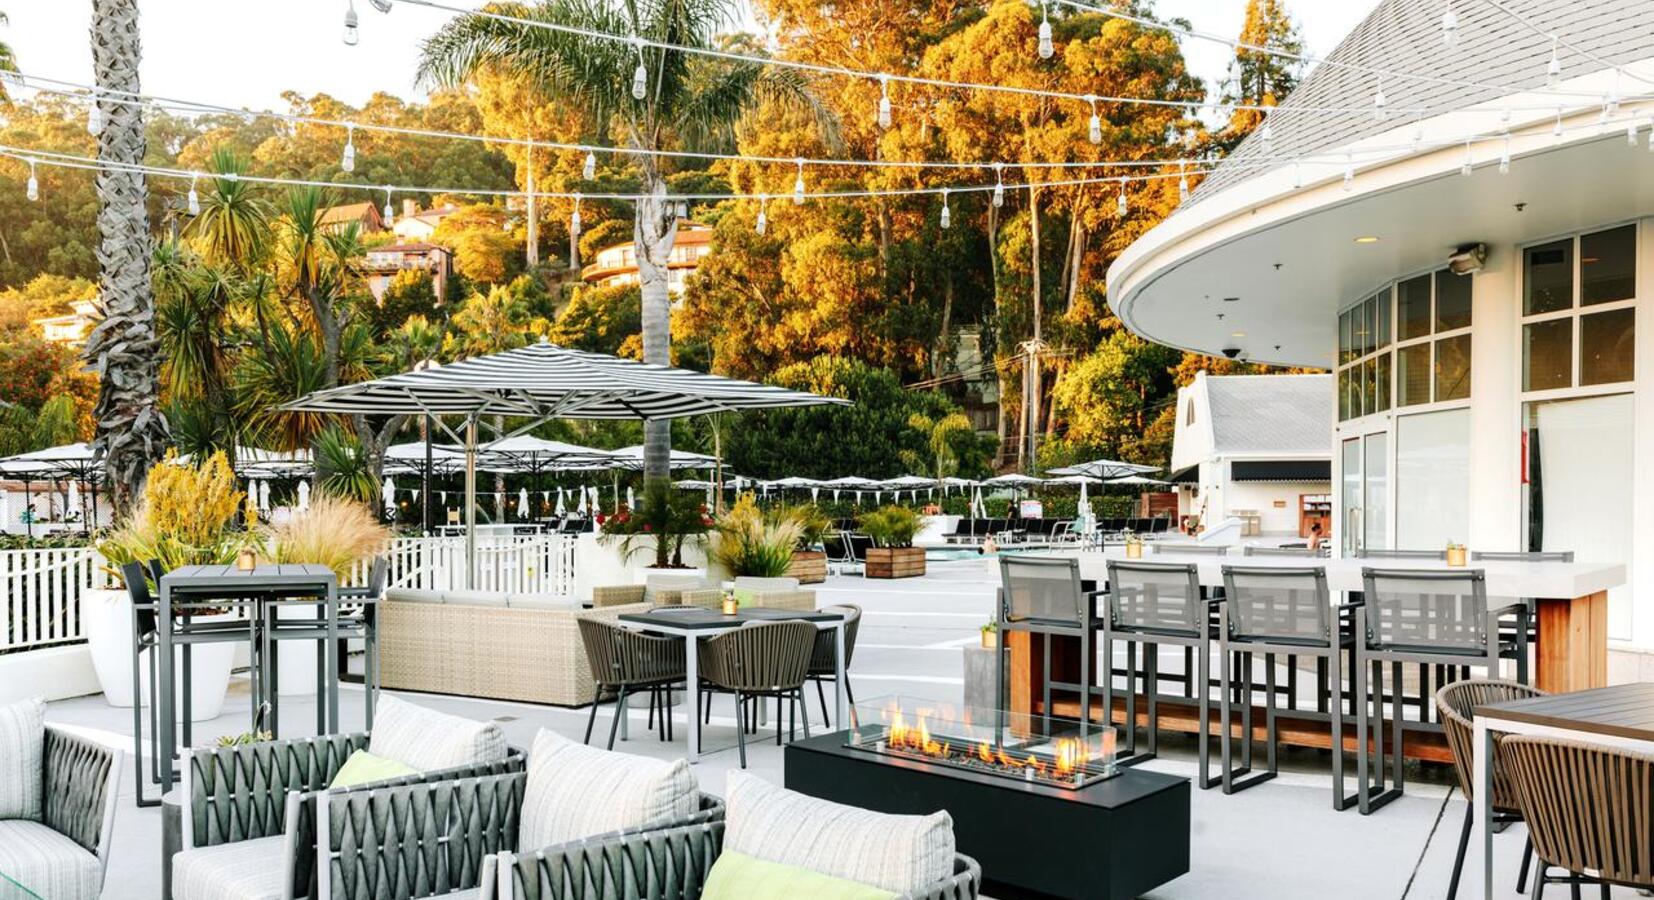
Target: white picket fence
[40, 589]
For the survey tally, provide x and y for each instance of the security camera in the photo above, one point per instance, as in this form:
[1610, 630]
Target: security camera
[1232, 352]
[1468, 259]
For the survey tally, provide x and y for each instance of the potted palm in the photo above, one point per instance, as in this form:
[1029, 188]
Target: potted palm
[809, 564]
[664, 523]
[892, 530]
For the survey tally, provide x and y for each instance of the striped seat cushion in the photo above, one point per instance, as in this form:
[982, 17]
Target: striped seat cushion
[47, 863]
[902, 854]
[428, 740]
[242, 870]
[575, 791]
[22, 758]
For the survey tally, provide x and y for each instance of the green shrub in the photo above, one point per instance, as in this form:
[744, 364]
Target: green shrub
[892, 526]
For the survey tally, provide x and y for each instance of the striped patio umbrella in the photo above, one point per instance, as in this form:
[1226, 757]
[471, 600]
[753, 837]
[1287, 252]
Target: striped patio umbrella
[1104, 469]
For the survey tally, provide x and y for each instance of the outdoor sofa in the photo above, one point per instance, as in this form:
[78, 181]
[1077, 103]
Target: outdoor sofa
[522, 647]
[57, 807]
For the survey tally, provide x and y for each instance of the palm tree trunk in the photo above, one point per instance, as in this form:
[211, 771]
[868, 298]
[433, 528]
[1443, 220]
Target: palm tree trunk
[653, 233]
[131, 431]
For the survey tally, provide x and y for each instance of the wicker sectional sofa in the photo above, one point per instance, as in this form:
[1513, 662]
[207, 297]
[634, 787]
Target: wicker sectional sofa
[501, 646]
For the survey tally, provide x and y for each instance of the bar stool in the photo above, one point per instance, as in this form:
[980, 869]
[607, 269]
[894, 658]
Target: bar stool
[1529, 635]
[1044, 596]
[1426, 617]
[1269, 611]
[359, 626]
[1153, 604]
[1294, 552]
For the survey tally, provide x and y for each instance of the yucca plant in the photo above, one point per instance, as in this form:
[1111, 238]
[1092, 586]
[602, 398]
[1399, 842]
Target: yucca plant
[892, 526]
[337, 532]
[748, 542]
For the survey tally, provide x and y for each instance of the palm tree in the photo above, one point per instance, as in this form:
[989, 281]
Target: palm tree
[687, 100]
[131, 431]
[8, 62]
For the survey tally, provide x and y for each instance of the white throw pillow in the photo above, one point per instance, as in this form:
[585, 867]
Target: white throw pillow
[22, 758]
[429, 740]
[575, 791]
[897, 853]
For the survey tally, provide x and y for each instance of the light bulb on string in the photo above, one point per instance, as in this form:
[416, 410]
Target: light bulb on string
[1553, 69]
[640, 75]
[1418, 138]
[1096, 130]
[1120, 205]
[383, 6]
[1349, 172]
[1182, 183]
[32, 190]
[94, 116]
[574, 217]
[763, 223]
[999, 184]
[884, 101]
[798, 184]
[1465, 167]
[947, 215]
[389, 213]
[352, 36]
[1046, 48]
[588, 170]
[193, 201]
[1504, 156]
[1450, 26]
[347, 161]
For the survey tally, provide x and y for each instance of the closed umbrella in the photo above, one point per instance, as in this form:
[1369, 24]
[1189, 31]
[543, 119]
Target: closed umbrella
[582, 507]
[388, 493]
[559, 510]
[304, 495]
[522, 503]
[264, 496]
[631, 499]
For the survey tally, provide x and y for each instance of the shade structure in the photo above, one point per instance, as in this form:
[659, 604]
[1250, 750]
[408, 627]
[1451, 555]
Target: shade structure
[793, 481]
[256, 462]
[1014, 479]
[632, 458]
[528, 454]
[851, 482]
[1137, 479]
[1105, 469]
[69, 460]
[544, 381]
[908, 481]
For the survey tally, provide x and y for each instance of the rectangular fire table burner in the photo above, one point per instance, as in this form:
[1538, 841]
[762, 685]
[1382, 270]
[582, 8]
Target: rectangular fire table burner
[1051, 751]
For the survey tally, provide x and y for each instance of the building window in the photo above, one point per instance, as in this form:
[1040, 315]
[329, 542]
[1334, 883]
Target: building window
[1430, 359]
[1579, 319]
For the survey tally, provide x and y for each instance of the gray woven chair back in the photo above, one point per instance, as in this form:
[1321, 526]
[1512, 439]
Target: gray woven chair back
[1289, 606]
[1042, 590]
[1430, 611]
[822, 658]
[1586, 806]
[1457, 704]
[619, 656]
[1162, 598]
[1294, 552]
[761, 657]
[1193, 549]
[1562, 556]
[1401, 554]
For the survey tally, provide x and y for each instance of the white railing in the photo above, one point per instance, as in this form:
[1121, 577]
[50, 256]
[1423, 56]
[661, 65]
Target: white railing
[40, 594]
[40, 589]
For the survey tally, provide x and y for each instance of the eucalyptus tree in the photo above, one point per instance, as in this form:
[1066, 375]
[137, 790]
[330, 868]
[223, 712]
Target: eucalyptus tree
[131, 431]
[643, 92]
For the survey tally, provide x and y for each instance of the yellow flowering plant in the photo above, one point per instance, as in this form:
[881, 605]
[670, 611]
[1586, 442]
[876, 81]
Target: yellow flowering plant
[187, 516]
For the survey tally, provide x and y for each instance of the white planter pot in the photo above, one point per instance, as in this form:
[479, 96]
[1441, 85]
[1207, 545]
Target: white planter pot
[647, 571]
[296, 660]
[106, 617]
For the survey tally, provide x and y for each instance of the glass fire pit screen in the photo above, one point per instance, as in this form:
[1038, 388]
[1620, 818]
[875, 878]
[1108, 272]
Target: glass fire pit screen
[1048, 750]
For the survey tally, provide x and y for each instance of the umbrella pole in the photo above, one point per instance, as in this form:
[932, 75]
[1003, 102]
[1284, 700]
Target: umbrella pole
[470, 500]
[425, 482]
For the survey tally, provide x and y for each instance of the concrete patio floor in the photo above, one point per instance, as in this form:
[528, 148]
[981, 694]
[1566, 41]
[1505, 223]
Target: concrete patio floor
[1278, 841]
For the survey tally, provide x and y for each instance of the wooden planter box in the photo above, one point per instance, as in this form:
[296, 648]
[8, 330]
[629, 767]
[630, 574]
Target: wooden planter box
[809, 567]
[895, 562]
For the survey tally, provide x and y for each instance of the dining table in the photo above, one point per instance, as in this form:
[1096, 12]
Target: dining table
[1621, 716]
[197, 586]
[692, 623]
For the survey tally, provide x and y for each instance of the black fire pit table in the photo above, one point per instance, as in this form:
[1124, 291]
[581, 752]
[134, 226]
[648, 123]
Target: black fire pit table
[1116, 838]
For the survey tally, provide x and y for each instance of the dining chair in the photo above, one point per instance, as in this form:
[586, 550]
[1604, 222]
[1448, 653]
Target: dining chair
[1278, 611]
[1457, 703]
[1439, 618]
[759, 660]
[1586, 807]
[623, 661]
[1151, 604]
[824, 656]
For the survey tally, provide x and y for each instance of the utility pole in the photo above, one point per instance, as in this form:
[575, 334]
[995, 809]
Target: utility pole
[531, 252]
[1030, 396]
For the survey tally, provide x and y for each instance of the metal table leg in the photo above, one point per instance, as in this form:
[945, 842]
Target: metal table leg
[331, 657]
[692, 703]
[838, 672]
[164, 735]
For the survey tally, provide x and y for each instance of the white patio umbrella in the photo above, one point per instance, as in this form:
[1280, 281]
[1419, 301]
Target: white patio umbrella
[631, 458]
[542, 382]
[1104, 469]
[1014, 479]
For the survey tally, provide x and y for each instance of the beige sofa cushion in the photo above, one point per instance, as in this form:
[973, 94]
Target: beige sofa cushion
[542, 601]
[494, 599]
[405, 595]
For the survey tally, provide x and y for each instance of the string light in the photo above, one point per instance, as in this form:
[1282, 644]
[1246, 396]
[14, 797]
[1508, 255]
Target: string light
[640, 75]
[1046, 48]
[1553, 69]
[1450, 26]
[1096, 134]
[999, 185]
[32, 190]
[351, 34]
[1349, 173]
[588, 170]
[383, 6]
[94, 116]
[389, 214]
[884, 101]
[348, 160]
[574, 217]
[1504, 156]
[798, 185]
[947, 215]
[193, 201]
[763, 223]
[1465, 167]
[1120, 200]
[1182, 184]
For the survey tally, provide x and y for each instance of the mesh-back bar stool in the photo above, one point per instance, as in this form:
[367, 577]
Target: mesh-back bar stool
[1152, 604]
[1587, 810]
[623, 661]
[1457, 703]
[1401, 554]
[1192, 549]
[1425, 617]
[1278, 611]
[1525, 634]
[1295, 552]
[760, 659]
[823, 662]
[1043, 596]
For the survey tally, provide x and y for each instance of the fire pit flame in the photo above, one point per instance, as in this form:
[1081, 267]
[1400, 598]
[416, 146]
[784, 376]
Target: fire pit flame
[1065, 761]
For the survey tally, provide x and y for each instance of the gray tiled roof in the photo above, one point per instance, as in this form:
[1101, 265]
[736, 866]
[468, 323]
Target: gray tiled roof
[1289, 415]
[1405, 36]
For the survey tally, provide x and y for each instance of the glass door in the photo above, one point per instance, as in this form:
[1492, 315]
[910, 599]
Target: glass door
[1364, 493]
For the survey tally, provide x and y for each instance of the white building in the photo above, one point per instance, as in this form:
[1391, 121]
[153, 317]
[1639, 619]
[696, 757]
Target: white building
[1256, 449]
[416, 225]
[1510, 407]
[616, 266]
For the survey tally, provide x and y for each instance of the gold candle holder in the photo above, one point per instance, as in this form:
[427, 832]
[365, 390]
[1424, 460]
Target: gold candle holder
[730, 605]
[1456, 555]
[1134, 550]
[246, 560]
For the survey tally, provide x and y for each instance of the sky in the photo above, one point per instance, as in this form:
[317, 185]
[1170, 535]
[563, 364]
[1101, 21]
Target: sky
[246, 53]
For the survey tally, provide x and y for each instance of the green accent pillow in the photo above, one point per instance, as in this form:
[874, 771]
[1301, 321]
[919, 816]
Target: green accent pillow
[364, 768]
[736, 876]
